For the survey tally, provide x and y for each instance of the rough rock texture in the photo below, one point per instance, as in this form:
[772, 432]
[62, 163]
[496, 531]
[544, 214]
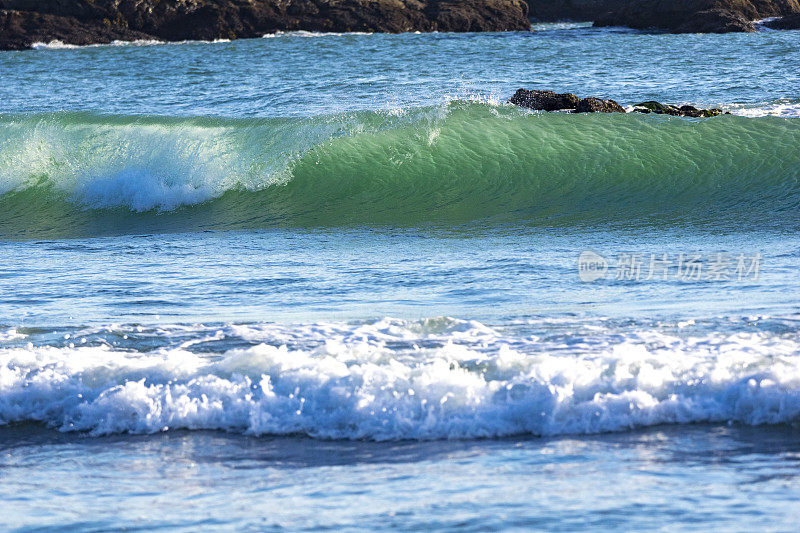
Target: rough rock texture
[552, 101]
[544, 100]
[23, 22]
[706, 16]
[585, 10]
[685, 16]
[683, 111]
[791, 22]
[717, 21]
[18, 30]
[708, 21]
[598, 105]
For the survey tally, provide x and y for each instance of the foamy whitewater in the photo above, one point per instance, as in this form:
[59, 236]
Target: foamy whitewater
[392, 379]
[335, 281]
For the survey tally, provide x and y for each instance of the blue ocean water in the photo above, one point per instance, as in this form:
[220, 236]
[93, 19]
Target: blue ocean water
[335, 282]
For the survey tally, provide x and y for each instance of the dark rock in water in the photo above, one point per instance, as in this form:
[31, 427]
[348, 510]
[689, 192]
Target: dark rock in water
[552, 101]
[680, 16]
[598, 105]
[656, 107]
[691, 111]
[683, 111]
[791, 22]
[23, 22]
[544, 100]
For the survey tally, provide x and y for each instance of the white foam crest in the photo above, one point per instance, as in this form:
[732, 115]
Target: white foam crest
[307, 34]
[785, 107]
[562, 25]
[140, 166]
[161, 163]
[389, 380]
[57, 44]
[61, 45]
[11, 334]
[760, 23]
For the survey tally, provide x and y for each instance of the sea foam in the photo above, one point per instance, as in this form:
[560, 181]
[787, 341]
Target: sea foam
[394, 379]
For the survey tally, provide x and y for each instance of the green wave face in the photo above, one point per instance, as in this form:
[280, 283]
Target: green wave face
[69, 175]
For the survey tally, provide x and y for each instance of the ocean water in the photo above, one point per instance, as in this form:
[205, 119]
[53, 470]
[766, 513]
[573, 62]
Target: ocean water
[323, 281]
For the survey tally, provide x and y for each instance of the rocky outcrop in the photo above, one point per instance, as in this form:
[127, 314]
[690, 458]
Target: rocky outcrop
[708, 21]
[23, 22]
[598, 105]
[18, 30]
[682, 111]
[684, 16]
[717, 21]
[552, 101]
[680, 16]
[545, 100]
[792, 22]
[582, 10]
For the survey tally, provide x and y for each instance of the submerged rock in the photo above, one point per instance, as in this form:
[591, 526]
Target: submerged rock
[545, 100]
[682, 111]
[598, 105]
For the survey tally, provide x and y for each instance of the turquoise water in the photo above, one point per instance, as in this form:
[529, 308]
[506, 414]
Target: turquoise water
[333, 281]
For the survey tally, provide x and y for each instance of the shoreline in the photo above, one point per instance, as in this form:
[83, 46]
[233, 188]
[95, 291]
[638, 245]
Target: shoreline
[88, 22]
[102, 22]
[684, 16]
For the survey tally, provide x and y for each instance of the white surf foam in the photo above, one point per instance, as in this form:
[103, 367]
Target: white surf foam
[304, 33]
[141, 166]
[61, 45]
[563, 25]
[393, 379]
[10, 334]
[786, 108]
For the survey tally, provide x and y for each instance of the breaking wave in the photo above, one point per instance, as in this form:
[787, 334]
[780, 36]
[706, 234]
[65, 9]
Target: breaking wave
[395, 379]
[80, 174]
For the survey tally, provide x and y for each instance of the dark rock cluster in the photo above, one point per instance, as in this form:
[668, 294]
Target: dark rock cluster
[679, 16]
[598, 105]
[682, 111]
[23, 22]
[545, 100]
[552, 101]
